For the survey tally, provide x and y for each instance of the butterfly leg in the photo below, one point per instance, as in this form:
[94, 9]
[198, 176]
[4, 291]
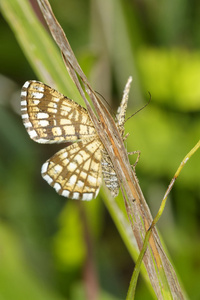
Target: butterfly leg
[138, 152]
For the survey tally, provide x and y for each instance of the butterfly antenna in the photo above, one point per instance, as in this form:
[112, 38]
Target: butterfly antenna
[140, 108]
[108, 105]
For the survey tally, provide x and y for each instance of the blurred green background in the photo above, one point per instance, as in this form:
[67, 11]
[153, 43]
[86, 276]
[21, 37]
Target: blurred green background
[44, 238]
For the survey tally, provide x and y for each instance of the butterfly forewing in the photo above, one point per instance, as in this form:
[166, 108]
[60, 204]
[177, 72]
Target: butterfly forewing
[50, 117]
[75, 171]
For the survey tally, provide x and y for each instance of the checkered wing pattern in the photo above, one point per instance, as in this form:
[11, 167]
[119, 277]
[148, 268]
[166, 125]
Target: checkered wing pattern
[50, 117]
[75, 171]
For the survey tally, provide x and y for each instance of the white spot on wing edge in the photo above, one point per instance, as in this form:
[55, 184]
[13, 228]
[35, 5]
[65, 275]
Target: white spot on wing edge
[76, 196]
[48, 179]
[24, 103]
[65, 193]
[23, 94]
[87, 196]
[25, 116]
[28, 125]
[45, 141]
[26, 84]
[32, 134]
[57, 187]
[44, 167]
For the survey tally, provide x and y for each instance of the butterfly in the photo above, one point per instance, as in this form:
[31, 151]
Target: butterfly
[75, 171]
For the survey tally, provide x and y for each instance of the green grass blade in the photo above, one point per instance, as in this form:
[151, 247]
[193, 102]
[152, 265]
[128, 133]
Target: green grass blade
[38, 46]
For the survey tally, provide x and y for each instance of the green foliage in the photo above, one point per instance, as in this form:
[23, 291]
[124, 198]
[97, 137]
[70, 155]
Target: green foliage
[43, 248]
[17, 280]
[69, 246]
[172, 77]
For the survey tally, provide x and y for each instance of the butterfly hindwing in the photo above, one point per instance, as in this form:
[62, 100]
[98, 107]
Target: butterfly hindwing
[75, 171]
